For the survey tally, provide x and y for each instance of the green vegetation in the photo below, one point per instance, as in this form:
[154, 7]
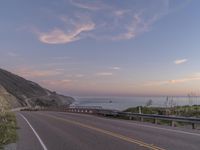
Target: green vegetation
[183, 111]
[186, 111]
[8, 128]
[146, 110]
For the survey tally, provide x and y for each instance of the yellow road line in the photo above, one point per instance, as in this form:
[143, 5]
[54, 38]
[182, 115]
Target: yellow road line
[119, 136]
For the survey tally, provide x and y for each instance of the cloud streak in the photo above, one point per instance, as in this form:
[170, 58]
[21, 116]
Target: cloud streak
[56, 82]
[12, 54]
[104, 74]
[194, 77]
[116, 68]
[58, 36]
[137, 26]
[88, 5]
[180, 61]
[102, 19]
[31, 73]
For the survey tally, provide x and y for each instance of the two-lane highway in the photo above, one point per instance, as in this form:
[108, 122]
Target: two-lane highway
[68, 131]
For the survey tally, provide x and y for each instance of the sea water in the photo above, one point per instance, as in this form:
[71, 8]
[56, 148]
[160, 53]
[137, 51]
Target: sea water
[122, 103]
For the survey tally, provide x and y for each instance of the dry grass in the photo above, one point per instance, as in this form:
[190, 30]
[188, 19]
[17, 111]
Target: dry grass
[8, 126]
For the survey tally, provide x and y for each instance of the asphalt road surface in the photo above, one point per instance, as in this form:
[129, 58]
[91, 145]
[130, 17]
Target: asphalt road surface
[68, 131]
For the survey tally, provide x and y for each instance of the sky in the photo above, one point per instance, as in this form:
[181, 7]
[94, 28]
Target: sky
[103, 47]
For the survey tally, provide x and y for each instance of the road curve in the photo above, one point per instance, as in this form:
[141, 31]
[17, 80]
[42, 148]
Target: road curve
[68, 131]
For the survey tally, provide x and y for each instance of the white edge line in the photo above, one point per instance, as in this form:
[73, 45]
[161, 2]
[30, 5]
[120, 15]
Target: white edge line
[38, 137]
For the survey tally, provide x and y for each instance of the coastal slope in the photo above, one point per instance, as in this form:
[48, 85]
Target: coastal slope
[16, 91]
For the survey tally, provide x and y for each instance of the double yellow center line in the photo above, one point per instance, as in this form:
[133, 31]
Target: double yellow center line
[116, 135]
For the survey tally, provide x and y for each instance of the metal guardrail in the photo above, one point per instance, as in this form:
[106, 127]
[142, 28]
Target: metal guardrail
[115, 113]
[106, 112]
[173, 119]
[85, 107]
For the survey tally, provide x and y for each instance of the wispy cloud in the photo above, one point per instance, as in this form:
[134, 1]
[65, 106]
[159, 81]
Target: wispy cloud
[103, 20]
[79, 75]
[137, 26]
[58, 36]
[89, 5]
[12, 54]
[104, 74]
[32, 73]
[180, 61]
[56, 84]
[120, 12]
[115, 68]
[194, 77]
[61, 57]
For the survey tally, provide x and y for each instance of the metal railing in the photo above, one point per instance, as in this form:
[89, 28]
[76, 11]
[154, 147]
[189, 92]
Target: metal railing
[115, 113]
[106, 112]
[172, 119]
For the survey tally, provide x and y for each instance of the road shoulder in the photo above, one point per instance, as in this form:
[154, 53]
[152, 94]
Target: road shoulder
[27, 139]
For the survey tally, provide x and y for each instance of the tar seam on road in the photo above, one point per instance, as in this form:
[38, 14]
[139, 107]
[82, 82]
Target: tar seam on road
[38, 137]
[119, 136]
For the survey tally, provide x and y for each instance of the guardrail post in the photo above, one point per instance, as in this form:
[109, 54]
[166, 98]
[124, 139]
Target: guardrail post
[141, 119]
[172, 123]
[156, 121]
[193, 126]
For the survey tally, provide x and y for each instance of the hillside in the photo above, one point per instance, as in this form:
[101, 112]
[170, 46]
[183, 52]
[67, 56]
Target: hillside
[16, 91]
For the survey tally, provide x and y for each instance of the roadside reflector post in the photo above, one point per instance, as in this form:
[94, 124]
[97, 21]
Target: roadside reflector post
[156, 121]
[172, 123]
[140, 111]
[193, 126]
[141, 119]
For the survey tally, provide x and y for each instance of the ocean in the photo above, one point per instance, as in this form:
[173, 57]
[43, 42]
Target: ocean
[122, 103]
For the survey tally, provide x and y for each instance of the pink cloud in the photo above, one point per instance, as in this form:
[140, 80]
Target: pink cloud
[30, 73]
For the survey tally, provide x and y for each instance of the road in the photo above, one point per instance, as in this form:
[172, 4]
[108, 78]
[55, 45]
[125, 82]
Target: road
[68, 131]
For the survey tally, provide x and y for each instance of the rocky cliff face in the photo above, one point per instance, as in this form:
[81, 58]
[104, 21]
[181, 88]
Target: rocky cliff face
[16, 91]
